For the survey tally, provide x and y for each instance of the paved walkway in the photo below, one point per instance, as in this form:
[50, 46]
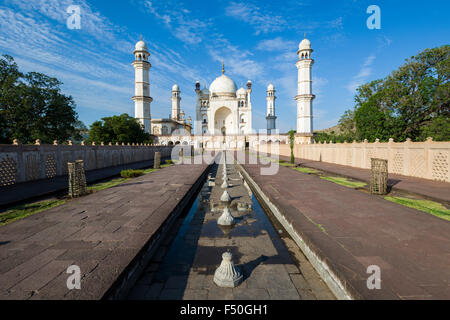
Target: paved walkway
[101, 233]
[273, 267]
[350, 230]
[436, 190]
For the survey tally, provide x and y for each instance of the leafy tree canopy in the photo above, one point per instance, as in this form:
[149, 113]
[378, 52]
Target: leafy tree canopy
[119, 129]
[33, 107]
[412, 102]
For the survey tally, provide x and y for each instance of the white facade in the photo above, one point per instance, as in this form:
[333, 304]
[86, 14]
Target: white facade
[270, 115]
[223, 112]
[304, 96]
[176, 123]
[223, 109]
[141, 98]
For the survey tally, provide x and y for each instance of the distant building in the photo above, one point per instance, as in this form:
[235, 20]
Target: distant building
[223, 112]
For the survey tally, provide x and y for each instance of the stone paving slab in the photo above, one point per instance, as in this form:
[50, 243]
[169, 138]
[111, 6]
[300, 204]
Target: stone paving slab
[101, 232]
[437, 190]
[350, 230]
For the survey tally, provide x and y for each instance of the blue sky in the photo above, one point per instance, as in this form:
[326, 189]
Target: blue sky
[188, 40]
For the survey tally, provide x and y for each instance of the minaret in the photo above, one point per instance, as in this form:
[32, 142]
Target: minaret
[270, 108]
[304, 96]
[249, 106]
[176, 102]
[141, 96]
[198, 121]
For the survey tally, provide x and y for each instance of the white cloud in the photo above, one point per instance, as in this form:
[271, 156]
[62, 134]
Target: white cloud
[363, 74]
[179, 21]
[237, 61]
[93, 70]
[277, 44]
[263, 21]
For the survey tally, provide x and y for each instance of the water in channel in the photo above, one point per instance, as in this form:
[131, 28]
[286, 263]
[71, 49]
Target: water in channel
[273, 266]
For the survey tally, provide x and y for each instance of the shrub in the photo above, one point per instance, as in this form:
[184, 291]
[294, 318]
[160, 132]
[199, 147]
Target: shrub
[169, 162]
[131, 173]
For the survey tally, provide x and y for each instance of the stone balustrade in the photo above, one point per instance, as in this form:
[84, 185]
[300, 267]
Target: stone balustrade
[428, 160]
[22, 163]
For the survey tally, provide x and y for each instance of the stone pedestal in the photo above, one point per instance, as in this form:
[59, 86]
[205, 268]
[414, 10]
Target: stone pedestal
[226, 219]
[224, 184]
[227, 275]
[225, 197]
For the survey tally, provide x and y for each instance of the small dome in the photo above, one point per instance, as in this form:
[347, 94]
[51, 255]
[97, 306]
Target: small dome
[304, 44]
[205, 91]
[175, 88]
[141, 45]
[223, 84]
[241, 91]
[270, 87]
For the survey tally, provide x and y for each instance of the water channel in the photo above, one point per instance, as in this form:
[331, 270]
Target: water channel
[272, 265]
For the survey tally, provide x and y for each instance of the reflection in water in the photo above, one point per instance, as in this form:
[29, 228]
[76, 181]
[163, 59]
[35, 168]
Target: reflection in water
[197, 248]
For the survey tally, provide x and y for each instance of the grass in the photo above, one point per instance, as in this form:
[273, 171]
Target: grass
[285, 163]
[131, 173]
[345, 182]
[25, 210]
[434, 208]
[306, 170]
[318, 225]
[107, 184]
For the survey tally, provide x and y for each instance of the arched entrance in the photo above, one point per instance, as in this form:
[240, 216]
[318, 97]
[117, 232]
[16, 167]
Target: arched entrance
[223, 121]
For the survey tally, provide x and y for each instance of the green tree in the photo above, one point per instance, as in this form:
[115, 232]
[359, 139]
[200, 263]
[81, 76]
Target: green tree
[119, 129]
[347, 125]
[372, 122]
[81, 132]
[438, 129]
[33, 107]
[291, 143]
[412, 102]
[419, 92]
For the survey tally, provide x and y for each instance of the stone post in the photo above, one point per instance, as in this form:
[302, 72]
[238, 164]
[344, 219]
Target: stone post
[77, 179]
[157, 160]
[378, 176]
[180, 155]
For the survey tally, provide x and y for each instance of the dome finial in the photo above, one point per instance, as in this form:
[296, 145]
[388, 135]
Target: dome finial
[223, 67]
[141, 37]
[304, 35]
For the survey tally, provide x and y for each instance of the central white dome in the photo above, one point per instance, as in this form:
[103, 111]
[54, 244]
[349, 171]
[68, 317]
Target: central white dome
[223, 84]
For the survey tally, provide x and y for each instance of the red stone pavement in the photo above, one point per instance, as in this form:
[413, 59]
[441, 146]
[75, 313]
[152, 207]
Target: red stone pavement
[436, 190]
[101, 233]
[351, 230]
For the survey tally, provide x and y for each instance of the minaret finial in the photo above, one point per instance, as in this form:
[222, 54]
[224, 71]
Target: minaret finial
[304, 35]
[223, 67]
[141, 37]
